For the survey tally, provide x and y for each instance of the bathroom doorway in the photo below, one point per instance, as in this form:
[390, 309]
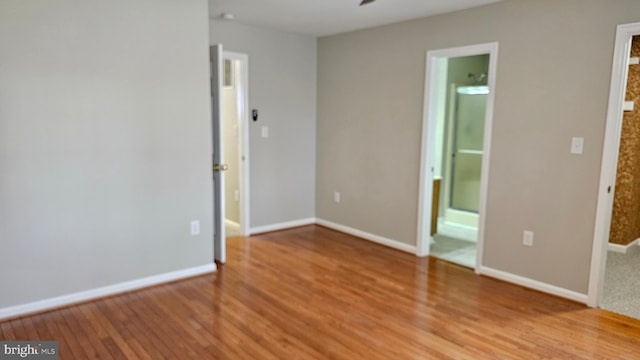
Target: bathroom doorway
[458, 112]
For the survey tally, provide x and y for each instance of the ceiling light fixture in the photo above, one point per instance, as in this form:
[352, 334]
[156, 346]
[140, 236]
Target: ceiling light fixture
[227, 16]
[365, 2]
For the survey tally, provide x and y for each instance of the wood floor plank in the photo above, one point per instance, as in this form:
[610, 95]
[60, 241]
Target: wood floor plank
[313, 293]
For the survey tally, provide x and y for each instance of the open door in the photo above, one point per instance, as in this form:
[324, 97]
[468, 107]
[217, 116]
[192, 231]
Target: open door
[219, 236]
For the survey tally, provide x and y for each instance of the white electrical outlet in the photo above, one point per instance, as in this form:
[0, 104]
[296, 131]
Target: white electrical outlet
[195, 227]
[236, 195]
[527, 238]
[336, 196]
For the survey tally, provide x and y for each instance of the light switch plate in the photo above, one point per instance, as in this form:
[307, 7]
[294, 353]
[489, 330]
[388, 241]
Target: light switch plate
[527, 238]
[195, 227]
[577, 145]
[264, 131]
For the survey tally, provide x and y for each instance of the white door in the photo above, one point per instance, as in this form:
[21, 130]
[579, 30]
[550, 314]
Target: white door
[219, 238]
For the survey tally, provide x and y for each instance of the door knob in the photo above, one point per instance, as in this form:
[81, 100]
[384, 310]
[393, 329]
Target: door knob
[220, 167]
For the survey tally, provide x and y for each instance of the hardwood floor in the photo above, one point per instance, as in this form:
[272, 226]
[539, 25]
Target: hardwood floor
[315, 293]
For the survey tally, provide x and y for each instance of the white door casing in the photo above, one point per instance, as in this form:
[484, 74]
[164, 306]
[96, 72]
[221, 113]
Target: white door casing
[430, 116]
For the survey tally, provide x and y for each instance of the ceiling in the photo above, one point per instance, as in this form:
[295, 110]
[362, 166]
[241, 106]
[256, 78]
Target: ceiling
[328, 17]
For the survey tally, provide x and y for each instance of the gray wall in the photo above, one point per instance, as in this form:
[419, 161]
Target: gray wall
[554, 67]
[282, 86]
[104, 143]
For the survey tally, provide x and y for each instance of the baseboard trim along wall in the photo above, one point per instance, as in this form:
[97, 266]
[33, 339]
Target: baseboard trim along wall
[232, 224]
[70, 299]
[533, 284]
[282, 226]
[622, 248]
[368, 236]
[457, 231]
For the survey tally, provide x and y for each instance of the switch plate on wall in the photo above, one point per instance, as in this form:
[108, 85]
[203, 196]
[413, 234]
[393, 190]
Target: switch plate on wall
[527, 238]
[577, 145]
[195, 227]
[264, 131]
[336, 196]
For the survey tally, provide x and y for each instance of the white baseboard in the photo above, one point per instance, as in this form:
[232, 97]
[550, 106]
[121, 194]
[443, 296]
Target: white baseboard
[457, 231]
[232, 225]
[622, 248]
[282, 226]
[368, 236]
[533, 284]
[65, 300]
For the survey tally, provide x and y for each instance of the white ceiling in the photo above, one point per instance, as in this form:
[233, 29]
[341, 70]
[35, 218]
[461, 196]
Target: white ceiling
[328, 17]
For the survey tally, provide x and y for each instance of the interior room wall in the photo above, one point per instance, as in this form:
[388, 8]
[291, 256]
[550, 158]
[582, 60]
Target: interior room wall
[231, 135]
[554, 69]
[625, 220]
[105, 146]
[282, 86]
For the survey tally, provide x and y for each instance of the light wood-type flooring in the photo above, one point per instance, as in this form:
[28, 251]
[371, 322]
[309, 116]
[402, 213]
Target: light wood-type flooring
[313, 293]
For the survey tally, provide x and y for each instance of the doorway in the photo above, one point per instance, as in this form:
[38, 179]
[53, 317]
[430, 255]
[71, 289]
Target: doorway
[614, 265]
[221, 79]
[459, 93]
[235, 135]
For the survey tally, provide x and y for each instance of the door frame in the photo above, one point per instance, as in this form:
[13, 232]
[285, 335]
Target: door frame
[243, 90]
[610, 151]
[429, 120]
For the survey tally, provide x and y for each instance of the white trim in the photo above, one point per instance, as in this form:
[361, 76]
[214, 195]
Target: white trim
[532, 284]
[243, 90]
[622, 248]
[457, 231]
[617, 248]
[428, 130]
[65, 300]
[609, 165]
[461, 217]
[628, 106]
[282, 225]
[368, 236]
[232, 225]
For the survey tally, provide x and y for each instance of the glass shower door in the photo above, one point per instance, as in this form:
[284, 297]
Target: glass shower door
[468, 134]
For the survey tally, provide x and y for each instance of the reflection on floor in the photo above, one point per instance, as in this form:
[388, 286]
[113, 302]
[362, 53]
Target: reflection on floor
[460, 252]
[622, 283]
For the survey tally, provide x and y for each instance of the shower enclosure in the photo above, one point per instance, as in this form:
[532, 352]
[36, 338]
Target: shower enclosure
[466, 133]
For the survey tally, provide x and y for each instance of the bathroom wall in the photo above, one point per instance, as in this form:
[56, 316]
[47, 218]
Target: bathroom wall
[625, 223]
